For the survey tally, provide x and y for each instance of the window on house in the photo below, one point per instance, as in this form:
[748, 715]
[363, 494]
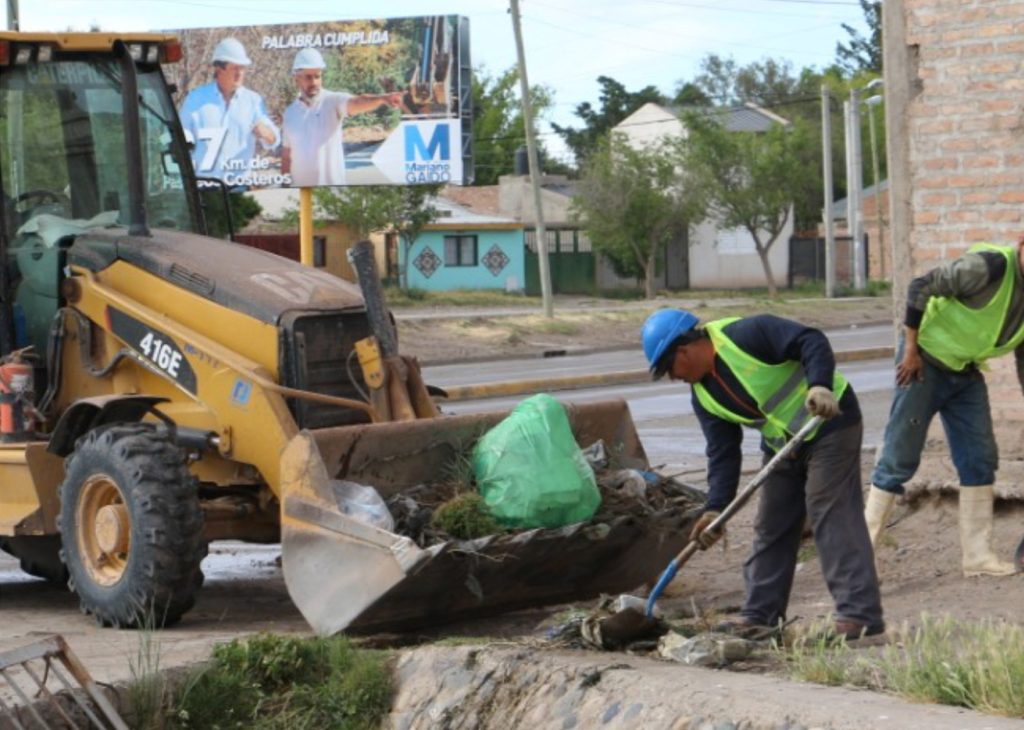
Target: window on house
[460, 250]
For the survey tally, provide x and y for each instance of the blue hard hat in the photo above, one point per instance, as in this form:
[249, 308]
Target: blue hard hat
[662, 329]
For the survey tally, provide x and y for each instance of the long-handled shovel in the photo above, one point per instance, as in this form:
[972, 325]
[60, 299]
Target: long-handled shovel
[735, 506]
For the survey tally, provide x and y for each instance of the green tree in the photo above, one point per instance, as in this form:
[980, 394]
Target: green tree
[863, 53]
[498, 129]
[634, 202]
[243, 209]
[689, 94]
[370, 208]
[769, 83]
[616, 103]
[750, 179]
[795, 95]
[411, 211]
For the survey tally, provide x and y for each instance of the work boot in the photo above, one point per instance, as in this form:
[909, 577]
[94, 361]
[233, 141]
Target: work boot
[851, 630]
[876, 512]
[744, 628]
[976, 533]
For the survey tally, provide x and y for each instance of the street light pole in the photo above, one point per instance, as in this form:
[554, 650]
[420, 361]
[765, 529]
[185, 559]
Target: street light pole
[826, 153]
[854, 184]
[872, 102]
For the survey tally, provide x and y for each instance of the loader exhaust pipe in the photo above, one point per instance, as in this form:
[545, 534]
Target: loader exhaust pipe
[132, 142]
[399, 393]
[362, 260]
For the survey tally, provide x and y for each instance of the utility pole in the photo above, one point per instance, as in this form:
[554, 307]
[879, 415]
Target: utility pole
[531, 149]
[12, 15]
[826, 153]
[854, 182]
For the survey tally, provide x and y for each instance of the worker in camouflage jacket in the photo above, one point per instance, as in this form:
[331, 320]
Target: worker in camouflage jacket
[958, 316]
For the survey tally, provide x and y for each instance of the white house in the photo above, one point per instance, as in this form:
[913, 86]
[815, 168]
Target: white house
[714, 257]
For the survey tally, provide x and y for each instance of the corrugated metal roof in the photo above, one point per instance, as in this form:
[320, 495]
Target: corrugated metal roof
[744, 118]
[839, 206]
[451, 213]
[482, 199]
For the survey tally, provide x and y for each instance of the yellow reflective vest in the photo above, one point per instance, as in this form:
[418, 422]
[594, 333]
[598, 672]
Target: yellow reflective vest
[957, 335]
[779, 390]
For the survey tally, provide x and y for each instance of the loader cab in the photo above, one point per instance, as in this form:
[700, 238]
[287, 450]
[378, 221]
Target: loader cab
[64, 163]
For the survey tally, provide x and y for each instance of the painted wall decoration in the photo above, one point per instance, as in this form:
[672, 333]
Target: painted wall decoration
[495, 260]
[427, 262]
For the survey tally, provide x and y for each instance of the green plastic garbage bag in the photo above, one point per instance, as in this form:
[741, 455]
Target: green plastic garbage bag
[531, 473]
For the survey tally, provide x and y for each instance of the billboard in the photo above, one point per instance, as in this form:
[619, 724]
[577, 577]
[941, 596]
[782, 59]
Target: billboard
[365, 102]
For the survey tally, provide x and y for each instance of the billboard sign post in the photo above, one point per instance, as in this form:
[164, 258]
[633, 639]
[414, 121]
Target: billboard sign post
[367, 102]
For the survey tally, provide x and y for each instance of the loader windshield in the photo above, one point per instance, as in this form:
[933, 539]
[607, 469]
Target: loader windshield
[62, 147]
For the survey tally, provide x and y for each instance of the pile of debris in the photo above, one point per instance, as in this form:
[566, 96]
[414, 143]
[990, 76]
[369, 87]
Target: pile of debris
[420, 512]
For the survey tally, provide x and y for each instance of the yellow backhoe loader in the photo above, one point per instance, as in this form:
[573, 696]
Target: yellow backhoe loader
[161, 388]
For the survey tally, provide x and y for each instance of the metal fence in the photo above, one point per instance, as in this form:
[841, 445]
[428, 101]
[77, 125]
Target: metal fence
[807, 260]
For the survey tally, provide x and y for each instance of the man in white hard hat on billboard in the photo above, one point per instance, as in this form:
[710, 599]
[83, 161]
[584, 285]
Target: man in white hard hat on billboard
[225, 119]
[312, 151]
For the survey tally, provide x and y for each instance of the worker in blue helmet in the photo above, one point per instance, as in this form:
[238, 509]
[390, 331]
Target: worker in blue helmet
[773, 374]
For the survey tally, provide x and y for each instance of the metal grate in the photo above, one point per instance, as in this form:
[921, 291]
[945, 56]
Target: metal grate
[44, 685]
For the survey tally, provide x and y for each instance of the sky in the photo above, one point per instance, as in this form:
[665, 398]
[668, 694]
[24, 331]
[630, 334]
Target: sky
[568, 43]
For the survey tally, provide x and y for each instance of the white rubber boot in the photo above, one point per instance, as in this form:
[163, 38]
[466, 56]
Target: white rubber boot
[876, 512]
[976, 533]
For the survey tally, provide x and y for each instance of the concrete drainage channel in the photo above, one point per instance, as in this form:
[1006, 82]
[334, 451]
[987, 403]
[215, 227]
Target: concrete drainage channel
[496, 687]
[501, 686]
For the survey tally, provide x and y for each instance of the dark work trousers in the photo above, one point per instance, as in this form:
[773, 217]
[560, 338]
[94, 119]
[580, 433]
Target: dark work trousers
[822, 481]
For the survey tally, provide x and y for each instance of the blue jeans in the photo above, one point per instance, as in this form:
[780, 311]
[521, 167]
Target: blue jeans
[961, 400]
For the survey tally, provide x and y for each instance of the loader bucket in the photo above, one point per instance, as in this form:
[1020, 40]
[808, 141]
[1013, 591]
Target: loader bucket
[345, 575]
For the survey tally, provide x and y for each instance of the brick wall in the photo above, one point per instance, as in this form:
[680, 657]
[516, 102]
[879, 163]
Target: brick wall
[955, 86]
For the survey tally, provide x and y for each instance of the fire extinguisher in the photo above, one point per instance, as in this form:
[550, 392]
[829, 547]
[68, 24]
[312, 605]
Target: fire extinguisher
[17, 397]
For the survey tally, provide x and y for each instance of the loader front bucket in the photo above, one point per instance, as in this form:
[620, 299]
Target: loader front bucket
[345, 575]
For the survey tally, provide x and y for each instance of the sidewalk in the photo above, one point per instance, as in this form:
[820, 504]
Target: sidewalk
[577, 304]
[606, 379]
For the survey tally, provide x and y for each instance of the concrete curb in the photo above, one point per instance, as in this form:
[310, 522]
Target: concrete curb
[548, 689]
[599, 380]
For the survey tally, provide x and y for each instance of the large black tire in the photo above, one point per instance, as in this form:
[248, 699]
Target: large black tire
[132, 527]
[39, 556]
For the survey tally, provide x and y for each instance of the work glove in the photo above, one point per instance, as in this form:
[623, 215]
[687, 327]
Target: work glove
[706, 539]
[821, 402]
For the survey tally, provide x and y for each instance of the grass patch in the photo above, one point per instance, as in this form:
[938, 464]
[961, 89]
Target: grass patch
[807, 552]
[977, 665]
[149, 693]
[465, 517]
[558, 327]
[269, 682]
[413, 297]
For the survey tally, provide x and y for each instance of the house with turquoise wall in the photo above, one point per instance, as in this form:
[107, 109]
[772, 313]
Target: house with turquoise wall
[463, 249]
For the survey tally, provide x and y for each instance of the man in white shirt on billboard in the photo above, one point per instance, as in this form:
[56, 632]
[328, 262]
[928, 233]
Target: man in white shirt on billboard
[312, 151]
[225, 119]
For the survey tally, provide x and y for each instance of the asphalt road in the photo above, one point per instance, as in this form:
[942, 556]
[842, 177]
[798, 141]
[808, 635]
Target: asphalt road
[669, 431]
[662, 411]
[476, 373]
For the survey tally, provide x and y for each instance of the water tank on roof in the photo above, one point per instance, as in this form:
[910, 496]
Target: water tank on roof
[522, 163]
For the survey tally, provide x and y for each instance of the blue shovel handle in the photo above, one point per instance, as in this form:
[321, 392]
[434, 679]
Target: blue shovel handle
[734, 507]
